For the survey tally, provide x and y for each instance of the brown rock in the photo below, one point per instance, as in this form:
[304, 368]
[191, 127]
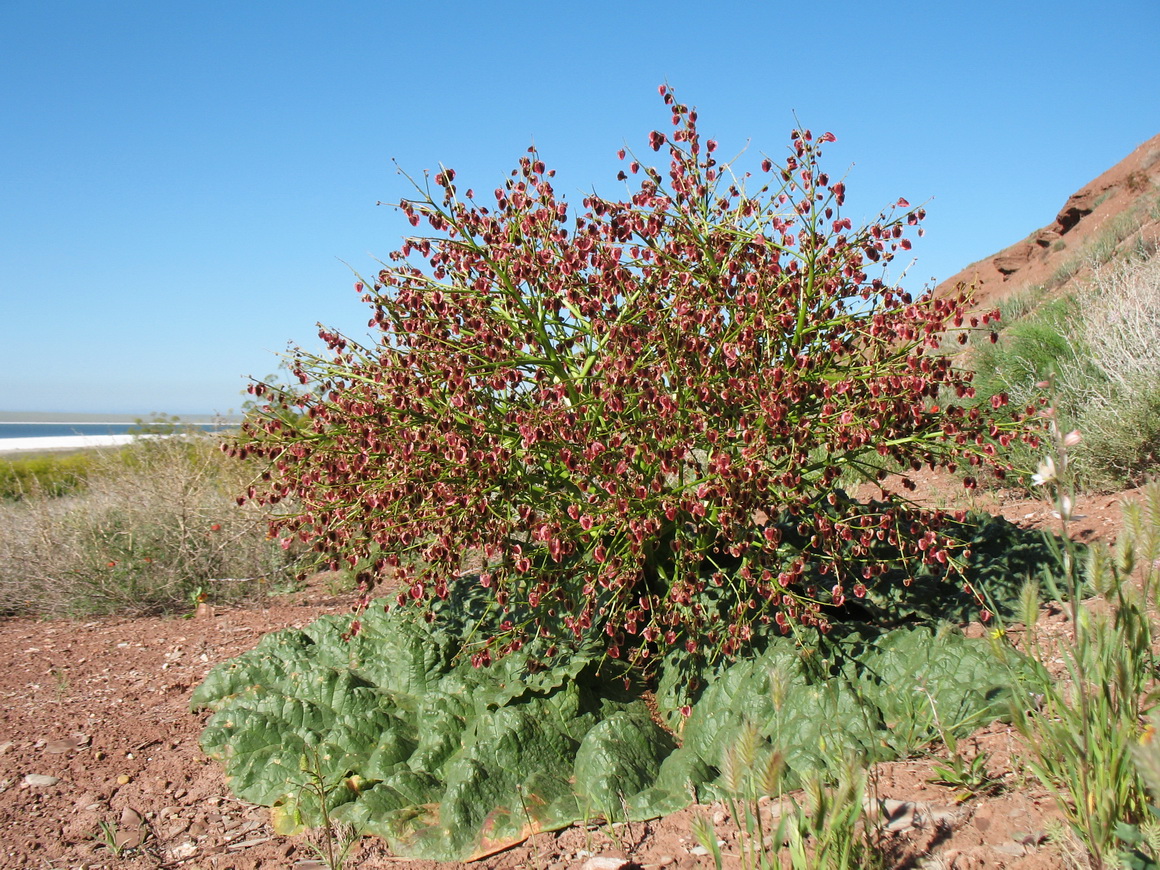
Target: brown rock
[1011, 263]
[132, 830]
[1078, 206]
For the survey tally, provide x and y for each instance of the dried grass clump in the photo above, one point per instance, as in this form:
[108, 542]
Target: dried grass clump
[1121, 418]
[1100, 350]
[156, 528]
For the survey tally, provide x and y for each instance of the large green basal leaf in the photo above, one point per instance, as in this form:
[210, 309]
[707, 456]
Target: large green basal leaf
[404, 739]
[619, 759]
[869, 697]
[409, 741]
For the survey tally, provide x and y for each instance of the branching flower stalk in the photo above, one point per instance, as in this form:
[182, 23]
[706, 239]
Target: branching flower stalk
[633, 418]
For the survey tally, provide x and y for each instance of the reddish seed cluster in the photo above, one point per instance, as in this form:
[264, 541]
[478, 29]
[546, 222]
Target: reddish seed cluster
[633, 414]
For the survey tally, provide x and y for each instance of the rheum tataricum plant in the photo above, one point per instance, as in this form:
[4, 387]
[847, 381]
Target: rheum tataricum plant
[631, 420]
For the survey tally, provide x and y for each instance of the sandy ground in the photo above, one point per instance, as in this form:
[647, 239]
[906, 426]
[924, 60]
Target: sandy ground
[95, 730]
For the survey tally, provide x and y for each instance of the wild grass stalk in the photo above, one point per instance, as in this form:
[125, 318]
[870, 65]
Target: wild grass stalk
[828, 828]
[1080, 737]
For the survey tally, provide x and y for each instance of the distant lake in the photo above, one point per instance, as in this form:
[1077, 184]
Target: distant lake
[60, 430]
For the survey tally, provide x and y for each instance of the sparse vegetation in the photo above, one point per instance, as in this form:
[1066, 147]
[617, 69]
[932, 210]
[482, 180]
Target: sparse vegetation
[1105, 247]
[824, 826]
[1080, 738]
[1100, 350]
[142, 529]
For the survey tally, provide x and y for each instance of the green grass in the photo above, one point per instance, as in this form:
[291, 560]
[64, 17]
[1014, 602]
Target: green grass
[47, 474]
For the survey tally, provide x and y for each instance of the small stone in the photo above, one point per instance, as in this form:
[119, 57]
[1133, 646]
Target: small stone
[605, 862]
[900, 815]
[6, 747]
[40, 780]
[129, 839]
[124, 779]
[59, 747]
[1015, 850]
[247, 844]
[185, 850]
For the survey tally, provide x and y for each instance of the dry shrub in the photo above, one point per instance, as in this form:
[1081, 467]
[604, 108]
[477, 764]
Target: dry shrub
[1121, 325]
[156, 528]
[1101, 351]
[1121, 420]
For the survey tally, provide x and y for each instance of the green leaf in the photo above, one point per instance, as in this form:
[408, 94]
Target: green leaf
[406, 740]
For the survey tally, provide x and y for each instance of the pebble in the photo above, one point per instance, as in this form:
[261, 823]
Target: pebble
[246, 844]
[185, 850]
[124, 779]
[1015, 850]
[40, 780]
[605, 862]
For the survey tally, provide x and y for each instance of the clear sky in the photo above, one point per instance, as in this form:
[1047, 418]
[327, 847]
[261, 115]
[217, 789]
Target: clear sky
[185, 186]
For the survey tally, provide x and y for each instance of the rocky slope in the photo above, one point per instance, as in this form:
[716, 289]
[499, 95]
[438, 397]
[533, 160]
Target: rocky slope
[1113, 216]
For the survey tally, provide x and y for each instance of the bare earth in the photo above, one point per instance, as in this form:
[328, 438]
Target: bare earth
[102, 708]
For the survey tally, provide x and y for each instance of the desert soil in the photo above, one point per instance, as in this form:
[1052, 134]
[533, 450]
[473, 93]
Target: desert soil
[95, 728]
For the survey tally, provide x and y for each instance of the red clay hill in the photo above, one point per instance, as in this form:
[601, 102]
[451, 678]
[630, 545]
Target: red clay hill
[1109, 218]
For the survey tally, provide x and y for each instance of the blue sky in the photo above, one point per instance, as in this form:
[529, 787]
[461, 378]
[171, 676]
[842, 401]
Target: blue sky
[185, 186]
